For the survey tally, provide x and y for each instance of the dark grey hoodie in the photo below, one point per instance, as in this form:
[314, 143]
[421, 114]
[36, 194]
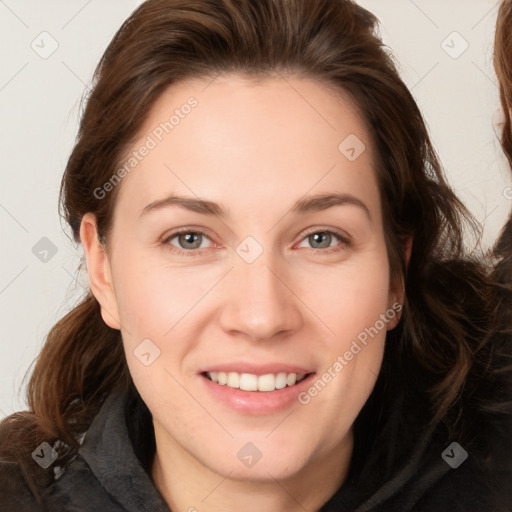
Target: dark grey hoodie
[424, 471]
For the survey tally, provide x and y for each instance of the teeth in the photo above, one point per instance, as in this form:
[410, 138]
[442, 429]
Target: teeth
[280, 380]
[233, 380]
[251, 382]
[247, 382]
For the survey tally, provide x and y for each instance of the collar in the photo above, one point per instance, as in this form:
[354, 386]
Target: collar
[108, 451]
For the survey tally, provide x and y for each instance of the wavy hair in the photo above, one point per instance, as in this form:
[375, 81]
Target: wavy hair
[503, 247]
[503, 68]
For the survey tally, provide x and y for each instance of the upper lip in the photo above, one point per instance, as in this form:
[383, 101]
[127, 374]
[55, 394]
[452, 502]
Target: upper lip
[256, 369]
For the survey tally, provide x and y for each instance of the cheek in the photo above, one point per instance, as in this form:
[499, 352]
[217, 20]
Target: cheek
[162, 304]
[352, 301]
[154, 303]
[350, 297]
[354, 305]
[152, 297]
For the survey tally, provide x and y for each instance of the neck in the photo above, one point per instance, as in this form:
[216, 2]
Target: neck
[188, 485]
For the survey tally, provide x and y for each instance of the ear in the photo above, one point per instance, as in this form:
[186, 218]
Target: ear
[407, 244]
[397, 293]
[98, 268]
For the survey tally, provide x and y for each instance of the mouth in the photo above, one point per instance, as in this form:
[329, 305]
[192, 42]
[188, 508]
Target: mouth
[256, 394]
[257, 383]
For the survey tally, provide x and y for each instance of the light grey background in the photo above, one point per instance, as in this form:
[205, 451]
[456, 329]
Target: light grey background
[39, 112]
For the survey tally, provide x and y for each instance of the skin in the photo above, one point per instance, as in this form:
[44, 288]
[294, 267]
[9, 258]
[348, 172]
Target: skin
[256, 149]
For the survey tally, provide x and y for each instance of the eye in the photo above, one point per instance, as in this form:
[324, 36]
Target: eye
[321, 240]
[190, 242]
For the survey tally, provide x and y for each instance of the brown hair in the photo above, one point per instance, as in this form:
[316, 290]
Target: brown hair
[503, 249]
[443, 333]
[503, 67]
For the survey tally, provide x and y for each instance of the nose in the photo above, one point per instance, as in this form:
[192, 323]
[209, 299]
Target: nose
[260, 303]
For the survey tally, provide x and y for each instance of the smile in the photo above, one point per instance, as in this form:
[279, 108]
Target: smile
[252, 382]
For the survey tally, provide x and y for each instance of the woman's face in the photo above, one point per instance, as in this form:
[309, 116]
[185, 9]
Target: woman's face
[281, 282]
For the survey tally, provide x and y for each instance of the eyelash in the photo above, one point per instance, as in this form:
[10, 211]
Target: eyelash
[345, 242]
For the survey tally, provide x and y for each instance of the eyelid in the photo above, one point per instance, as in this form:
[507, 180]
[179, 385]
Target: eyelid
[345, 237]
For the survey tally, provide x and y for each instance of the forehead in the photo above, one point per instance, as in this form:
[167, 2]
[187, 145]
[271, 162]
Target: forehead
[280, 136]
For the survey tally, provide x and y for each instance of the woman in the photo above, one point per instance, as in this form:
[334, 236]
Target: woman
[333, 350]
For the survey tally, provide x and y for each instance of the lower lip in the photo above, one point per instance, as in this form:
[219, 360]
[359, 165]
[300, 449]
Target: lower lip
[257, 402]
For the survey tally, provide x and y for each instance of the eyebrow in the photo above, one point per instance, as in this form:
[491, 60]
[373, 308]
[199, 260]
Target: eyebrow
[313, 203]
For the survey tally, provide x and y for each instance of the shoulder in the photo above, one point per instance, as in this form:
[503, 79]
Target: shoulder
[17, 492]
[50, 475]
[468, 487]
[468, 473]
[26, 472]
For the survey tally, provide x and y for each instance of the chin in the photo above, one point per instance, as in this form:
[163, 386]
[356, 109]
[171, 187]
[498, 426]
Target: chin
[275, 465]
[261, 473]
